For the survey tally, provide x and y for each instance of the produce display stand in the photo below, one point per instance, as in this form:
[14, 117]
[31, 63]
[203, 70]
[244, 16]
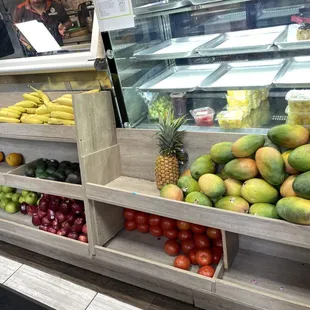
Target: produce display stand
[265, 263]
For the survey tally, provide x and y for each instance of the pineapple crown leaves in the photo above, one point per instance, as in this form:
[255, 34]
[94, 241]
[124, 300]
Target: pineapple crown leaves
[169, 136]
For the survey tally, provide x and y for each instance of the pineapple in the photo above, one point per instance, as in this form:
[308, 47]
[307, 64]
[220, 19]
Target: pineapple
[169, 143]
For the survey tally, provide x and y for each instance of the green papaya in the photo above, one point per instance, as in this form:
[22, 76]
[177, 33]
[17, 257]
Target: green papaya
[258, 191]
[201, 166]
[288, 168]
[270, 164]
[294, 210]
[233, 187]
[241, 169]
[232, 203]
[199, 199]
[221, 152]
[300, 158]
[212, 185]
[301, 185]
[264, 209]
[247, 145]
[188, 185]
[289, 136]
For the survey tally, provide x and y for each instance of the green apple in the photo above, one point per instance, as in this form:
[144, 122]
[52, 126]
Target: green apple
[31, 198]
[25, 193]
[11, 207]
[15, 197]
[4, 202]
[2, 195]
[21, 199]
[8, 195]
[8, 189]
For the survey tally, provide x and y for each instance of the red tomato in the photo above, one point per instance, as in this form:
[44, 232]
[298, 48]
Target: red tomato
[201, 241]
[188, 245]
[129, 214]
[217, 255]
[141, 218]
[185, 235]
[167, 223]
[143, 228]
[156, 231]
[204, 257]
[198, 229]
[218, 243]
[214, 233]
[130, 225]
[207, 271]
[171, 233]
[154, 220]
[182, 262]
[172, 247]
[192, 256]
[183, 225]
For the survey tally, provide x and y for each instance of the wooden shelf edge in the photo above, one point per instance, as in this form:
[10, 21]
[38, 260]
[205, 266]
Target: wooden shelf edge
[50, 133]
[116, 193]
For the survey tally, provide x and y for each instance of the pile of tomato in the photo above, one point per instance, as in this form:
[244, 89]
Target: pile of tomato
[198, 244]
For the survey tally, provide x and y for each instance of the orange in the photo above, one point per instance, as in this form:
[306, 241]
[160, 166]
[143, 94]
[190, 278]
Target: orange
[14, 159]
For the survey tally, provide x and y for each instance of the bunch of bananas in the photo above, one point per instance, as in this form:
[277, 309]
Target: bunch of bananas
[37, 108]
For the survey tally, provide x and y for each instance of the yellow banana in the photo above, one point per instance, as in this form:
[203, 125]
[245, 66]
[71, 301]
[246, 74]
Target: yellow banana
[31, 110]
[35, 93]
[62, 115]
[69, 96]
[41, 117]
[92, 91]
[30, 120]
[57, 121]
[42, 95]
[32, 98]
[43, 109]
[60, 108]
[10, 110]
[16, 108]
[10, 114]
[26, 104]
[8, 120]
[63, 101]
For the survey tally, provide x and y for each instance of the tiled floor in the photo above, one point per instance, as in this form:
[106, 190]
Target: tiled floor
[63, 286]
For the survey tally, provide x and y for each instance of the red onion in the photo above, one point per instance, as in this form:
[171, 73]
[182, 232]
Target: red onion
[77, 228]
[50, 214]
[84, 229]
[65, 207]
[73, 235]
[66, 225]
[54, 204]
[63, 232]
[44, 227]
[70, 218]
[60, 217]
[41, 213]
[83, 238]
[52, 230]
[23, 208]
[36, 221]
[77, 208]
[46, 221]
[43, 205]
[31, 209]
[79, 221]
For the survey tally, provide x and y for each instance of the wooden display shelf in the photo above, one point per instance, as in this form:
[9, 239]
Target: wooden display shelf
[4, 168]
[16, 178]
[143, 195]
[144, 253]
[38, 132]
[20, 225]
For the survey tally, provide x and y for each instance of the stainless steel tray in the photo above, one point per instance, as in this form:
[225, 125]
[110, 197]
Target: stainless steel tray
[243, 75]
[200, 2]
[226, 18]
[175, 48]
[295, 73]
[280, 12]
[257, 40]
[180, 78]
[283, 43]
[160, 6]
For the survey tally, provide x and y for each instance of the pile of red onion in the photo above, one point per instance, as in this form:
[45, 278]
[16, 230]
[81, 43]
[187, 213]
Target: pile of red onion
[59, 215]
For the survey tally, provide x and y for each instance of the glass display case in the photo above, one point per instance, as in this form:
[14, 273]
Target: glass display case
[226, 65]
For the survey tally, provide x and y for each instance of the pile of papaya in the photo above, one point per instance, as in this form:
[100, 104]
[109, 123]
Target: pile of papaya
[264, 176]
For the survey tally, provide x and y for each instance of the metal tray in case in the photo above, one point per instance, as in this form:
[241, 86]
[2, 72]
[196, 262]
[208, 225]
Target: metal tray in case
[283, 43]
[200, 2]
[240, 42]
[180, 78]
[175, 48]
[295, 73]
[160, 6]
[243, 75]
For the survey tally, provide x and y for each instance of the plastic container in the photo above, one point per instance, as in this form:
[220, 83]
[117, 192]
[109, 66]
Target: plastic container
[246, 98]
[297, 118]
[159, 107]
[179, 104]
[298, 100]
[232, 119]
[203, 116]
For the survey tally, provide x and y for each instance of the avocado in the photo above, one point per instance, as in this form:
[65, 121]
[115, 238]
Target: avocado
[75, 166]
[50, 170]
[30, 172]
[40, 169]
[60, 175]
[42, 175]
[65, 163]
[73, 178]
[53, 163]
[69, 170]
[42, 165]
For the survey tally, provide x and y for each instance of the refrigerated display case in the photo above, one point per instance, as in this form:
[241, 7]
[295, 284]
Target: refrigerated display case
[238, 58]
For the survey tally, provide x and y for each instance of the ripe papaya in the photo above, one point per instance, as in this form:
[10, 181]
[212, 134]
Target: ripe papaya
[286, 189]
[232, 203]
[288, 168]
[241, 169]
[258, 191]
[300, 158]
[301, 185]
[221, 152]
[289, 136]
[247, 145]
[233, 187]
[212, 185]
[294, 210]
[270, 164]
[201, 166]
